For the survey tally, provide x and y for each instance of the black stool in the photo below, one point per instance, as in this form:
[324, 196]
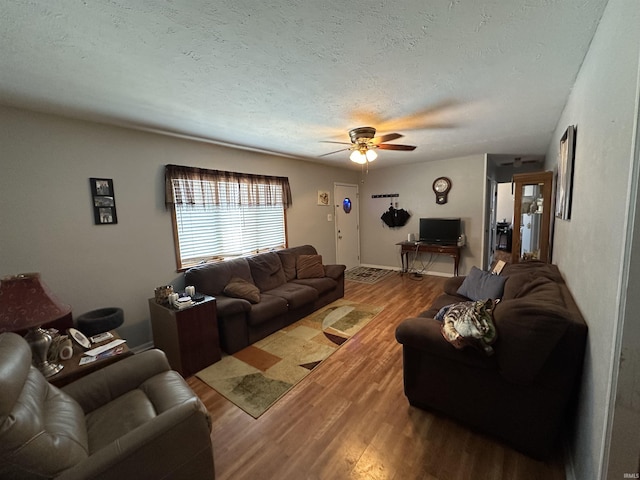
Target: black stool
[101, 320]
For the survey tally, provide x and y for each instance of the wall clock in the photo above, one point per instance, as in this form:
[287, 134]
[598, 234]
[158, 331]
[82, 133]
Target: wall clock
[441, 187]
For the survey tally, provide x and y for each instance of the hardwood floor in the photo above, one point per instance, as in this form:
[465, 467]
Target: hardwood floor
[349, 419]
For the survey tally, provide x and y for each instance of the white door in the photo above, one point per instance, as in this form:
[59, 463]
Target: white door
[347, 220]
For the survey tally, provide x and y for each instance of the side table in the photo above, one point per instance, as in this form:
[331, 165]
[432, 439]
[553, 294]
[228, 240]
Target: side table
[188, 337]
[72, 370]
[408, 247]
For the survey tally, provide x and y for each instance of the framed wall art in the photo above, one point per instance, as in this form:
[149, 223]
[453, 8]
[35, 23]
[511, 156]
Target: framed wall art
[104, 201]
[565, 173]
[323, 197]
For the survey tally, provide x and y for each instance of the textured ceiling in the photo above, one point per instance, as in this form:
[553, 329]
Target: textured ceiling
[456, 77]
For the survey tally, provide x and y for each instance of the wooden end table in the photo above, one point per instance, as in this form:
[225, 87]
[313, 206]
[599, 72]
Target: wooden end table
[72, 370]
[188, 337]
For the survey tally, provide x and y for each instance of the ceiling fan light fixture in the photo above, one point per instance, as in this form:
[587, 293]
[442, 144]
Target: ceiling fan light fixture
[364, 143]
[371, 155]
[358, 157]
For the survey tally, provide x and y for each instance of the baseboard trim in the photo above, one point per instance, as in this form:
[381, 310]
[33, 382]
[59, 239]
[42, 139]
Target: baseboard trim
[397, 269]
[382, 267]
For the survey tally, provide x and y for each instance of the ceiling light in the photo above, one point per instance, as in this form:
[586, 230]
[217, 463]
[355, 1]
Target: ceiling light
[371, 155]
[358, 157]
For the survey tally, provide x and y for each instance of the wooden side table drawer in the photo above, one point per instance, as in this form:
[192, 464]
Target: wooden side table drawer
[188, 337]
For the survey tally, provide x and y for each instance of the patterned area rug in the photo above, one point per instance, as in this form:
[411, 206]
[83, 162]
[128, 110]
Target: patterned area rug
[366, 274]
[256, 377]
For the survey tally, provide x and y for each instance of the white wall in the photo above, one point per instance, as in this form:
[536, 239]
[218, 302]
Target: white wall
[589, 248]
[505, 203]
[46, 218]
[414, 185]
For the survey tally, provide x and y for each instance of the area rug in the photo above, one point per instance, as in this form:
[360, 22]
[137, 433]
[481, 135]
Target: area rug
[366, 274]
[256, 377]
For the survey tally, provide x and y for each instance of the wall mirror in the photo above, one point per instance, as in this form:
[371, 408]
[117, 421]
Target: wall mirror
[532, 216]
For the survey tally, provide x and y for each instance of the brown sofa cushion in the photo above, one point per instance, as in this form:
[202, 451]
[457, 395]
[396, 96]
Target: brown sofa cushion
[288, 260]
[212, 278]
[240, 288]
[266, 270]
[520, 277]
[310, 266]
[452, 284]
[296, 294]
[530, 327]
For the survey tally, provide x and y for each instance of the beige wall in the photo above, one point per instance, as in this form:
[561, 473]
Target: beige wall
[505, 203]
[413, 183]
[46, 219]
[591, 249]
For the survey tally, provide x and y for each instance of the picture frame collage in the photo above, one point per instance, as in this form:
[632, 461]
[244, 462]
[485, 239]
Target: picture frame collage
[104, 202]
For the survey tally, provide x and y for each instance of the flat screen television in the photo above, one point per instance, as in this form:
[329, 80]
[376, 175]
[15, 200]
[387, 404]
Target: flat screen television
[440, 231]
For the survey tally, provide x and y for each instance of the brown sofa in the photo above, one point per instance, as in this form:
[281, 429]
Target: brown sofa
[525, 391]
[135, 418]
[286, 284]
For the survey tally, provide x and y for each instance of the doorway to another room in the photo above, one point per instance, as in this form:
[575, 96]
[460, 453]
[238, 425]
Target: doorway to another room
[504, 222]
[500, 198]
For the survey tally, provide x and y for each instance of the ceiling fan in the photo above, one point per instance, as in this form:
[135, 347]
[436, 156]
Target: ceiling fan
[364, 143]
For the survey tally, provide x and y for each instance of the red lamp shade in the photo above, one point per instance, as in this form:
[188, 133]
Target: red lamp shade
[27, 302]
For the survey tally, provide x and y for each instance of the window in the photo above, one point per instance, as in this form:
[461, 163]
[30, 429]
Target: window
[224, 214]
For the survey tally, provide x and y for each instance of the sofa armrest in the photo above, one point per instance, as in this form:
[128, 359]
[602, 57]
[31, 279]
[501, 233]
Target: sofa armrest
[423, 334]
[174, 441]
[334, 271]
[102, 386]
[229, 305]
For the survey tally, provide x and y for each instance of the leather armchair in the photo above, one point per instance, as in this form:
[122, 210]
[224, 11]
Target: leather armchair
[135, 418]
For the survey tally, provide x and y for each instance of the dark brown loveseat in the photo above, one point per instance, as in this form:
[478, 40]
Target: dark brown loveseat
[524, 392]
[285, 293]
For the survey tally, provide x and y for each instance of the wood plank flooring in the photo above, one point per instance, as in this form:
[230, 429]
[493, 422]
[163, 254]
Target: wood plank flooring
[349, 419]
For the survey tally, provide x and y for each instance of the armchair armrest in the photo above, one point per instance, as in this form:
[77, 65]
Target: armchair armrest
[175, 441]
[102, 386]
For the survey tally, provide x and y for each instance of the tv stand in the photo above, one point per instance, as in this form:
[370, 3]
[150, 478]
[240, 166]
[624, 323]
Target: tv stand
[417, 247]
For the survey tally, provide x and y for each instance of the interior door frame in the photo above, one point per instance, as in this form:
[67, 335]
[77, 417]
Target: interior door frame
[356, 216]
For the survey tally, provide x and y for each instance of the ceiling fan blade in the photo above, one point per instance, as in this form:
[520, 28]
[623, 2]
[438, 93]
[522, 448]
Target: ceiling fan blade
[339, 143]
[386, 138]
[429, 117]
[331, 153]
[392, 146]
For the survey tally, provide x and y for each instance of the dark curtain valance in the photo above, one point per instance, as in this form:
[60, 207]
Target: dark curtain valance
[200, 186]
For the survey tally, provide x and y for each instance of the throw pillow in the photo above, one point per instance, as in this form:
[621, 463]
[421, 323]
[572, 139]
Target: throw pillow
[240, 288]
[310, 266]
[481, 285]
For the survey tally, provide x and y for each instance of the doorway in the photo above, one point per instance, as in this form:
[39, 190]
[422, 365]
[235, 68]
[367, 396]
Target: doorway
[347, 214]
[500, 169]
[504, 222]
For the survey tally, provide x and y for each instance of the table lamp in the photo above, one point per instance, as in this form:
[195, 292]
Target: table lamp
[27, 303]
